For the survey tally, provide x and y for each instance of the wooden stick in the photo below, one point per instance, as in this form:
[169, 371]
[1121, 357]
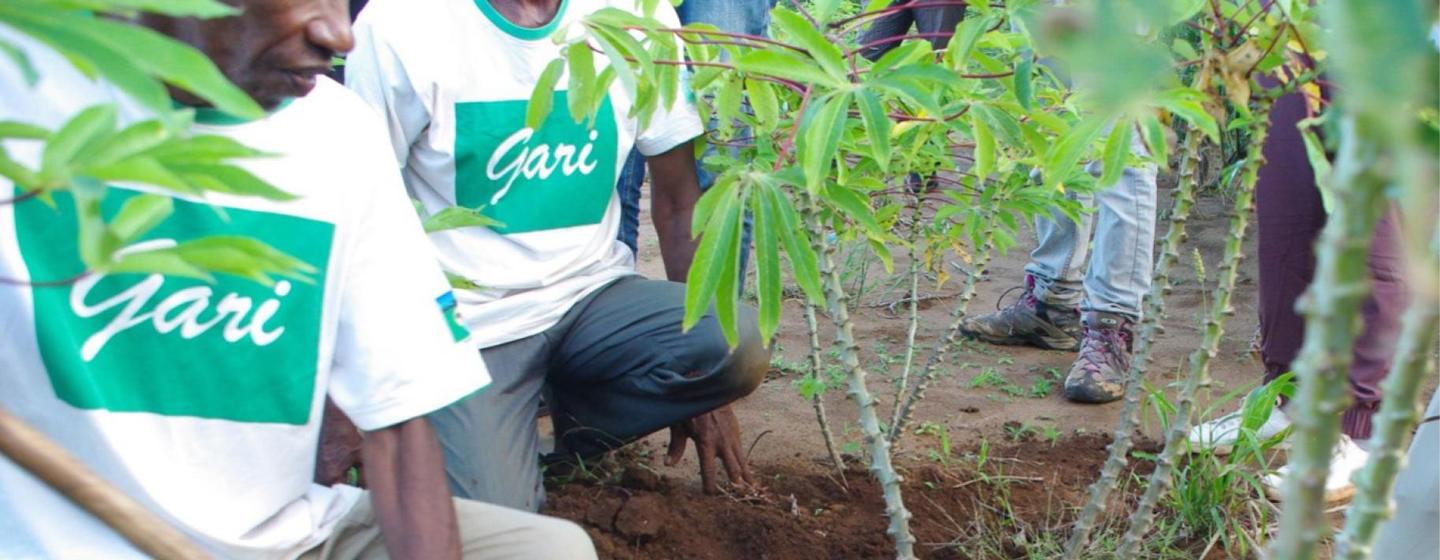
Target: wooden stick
[54, 466]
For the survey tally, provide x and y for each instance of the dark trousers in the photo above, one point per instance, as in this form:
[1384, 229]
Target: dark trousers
[615, 368]
[1291, 215]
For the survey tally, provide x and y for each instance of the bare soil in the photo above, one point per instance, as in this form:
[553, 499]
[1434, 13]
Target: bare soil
[807, 512]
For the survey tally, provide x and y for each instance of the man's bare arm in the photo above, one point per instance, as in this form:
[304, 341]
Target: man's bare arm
[405, 471]
[675, 189]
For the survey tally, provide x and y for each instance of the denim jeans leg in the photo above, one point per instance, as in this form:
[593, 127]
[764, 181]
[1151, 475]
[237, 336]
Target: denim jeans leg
[751, 17]
[1122, 259]
[628, 189]
[1060, 250]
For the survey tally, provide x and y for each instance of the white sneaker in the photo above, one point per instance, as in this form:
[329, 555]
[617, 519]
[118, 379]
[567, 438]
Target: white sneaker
[1220, 435]
[1346, 459]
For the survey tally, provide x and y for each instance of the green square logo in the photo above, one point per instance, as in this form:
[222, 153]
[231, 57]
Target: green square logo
[232, 350]
[561, 175]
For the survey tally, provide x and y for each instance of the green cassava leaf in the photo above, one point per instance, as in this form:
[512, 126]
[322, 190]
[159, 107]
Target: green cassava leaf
[1060, 162]
[140, 214]
[708, 264]
[1024, 86]
[763, 101]
[87, 127]
[784, 65]
[985, 152]
[1117, 151]
[27, 69]
[543, 96]
[1155, 140]
[12, 129]
[821, 48]
[820, 138]
[581, 63]
[1186, 103]
[877, 127]
[803, 260]
[767, 261]
[456, 217]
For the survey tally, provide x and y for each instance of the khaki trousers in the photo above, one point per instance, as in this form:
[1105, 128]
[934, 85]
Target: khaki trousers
[486, 532]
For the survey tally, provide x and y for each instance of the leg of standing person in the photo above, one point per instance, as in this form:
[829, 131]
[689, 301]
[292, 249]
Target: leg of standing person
[1118, 277]
[632, 176]
[751, 17]
[1046, 314]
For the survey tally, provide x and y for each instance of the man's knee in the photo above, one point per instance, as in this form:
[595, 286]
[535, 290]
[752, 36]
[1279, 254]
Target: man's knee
[750, 358]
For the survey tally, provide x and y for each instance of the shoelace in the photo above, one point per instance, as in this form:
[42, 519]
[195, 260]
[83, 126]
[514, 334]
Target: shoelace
[1098, 347]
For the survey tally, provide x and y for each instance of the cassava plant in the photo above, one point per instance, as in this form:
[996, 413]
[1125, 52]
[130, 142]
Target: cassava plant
[1378, 133]
[95, 148]
[805, 122]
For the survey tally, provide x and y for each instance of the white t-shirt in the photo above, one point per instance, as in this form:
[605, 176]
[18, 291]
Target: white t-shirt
[453, 79]
[203, 401]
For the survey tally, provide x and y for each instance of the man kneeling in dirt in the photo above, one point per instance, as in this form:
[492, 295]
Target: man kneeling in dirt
[553, 301]
[211, 423]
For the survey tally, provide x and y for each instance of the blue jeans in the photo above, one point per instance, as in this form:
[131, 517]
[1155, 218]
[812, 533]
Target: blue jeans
[1119, 272]
[751, 17]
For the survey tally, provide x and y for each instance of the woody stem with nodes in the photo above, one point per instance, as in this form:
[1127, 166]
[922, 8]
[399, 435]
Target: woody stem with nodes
[1214, 329]
[905, 410]
[1150, 326]
[880, 460]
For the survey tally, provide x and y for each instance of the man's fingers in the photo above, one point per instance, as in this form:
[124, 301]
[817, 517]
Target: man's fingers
[677, 446]
[707, 468]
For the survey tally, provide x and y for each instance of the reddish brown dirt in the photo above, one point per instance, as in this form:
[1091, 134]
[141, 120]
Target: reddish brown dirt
[807, 514]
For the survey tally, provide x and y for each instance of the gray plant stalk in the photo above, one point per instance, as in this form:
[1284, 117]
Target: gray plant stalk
[952, 336]
[916, 253]
[1330, 306]
[1150, 326]
[817, 401]
[880, 465]
[1214, 329]
[1399, 413]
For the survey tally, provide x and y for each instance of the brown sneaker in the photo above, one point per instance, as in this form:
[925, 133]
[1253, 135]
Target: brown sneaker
[1098, 375]
[1029, 322]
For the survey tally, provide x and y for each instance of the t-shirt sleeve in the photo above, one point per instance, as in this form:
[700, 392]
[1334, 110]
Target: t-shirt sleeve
[680, 123]
[399, 352]
[374, 71]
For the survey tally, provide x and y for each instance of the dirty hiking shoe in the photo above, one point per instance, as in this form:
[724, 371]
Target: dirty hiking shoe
[1028, 321]
[1098, 375]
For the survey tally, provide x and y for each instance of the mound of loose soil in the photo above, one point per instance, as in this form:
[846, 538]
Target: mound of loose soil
[806, 513]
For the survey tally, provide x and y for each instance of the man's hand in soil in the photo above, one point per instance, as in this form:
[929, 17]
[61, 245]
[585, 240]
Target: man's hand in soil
[717, 435]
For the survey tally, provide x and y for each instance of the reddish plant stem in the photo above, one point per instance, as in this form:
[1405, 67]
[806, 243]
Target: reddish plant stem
[46, 283]
[22, 198]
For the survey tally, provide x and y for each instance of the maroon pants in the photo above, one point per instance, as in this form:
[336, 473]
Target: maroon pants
[1290, 217]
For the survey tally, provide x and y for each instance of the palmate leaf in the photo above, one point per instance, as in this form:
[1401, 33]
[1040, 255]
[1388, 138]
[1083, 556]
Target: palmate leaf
[709, 262]
[225, 254]
[1117, 151]
[767, 261]
[824, 51]
[456, 217]
[784, 65]
[543, 97]
[176, 8]
[820, 138]
[134, 58]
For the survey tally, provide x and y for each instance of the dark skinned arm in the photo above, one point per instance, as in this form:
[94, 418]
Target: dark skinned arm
[403, 467]
[675, 189]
